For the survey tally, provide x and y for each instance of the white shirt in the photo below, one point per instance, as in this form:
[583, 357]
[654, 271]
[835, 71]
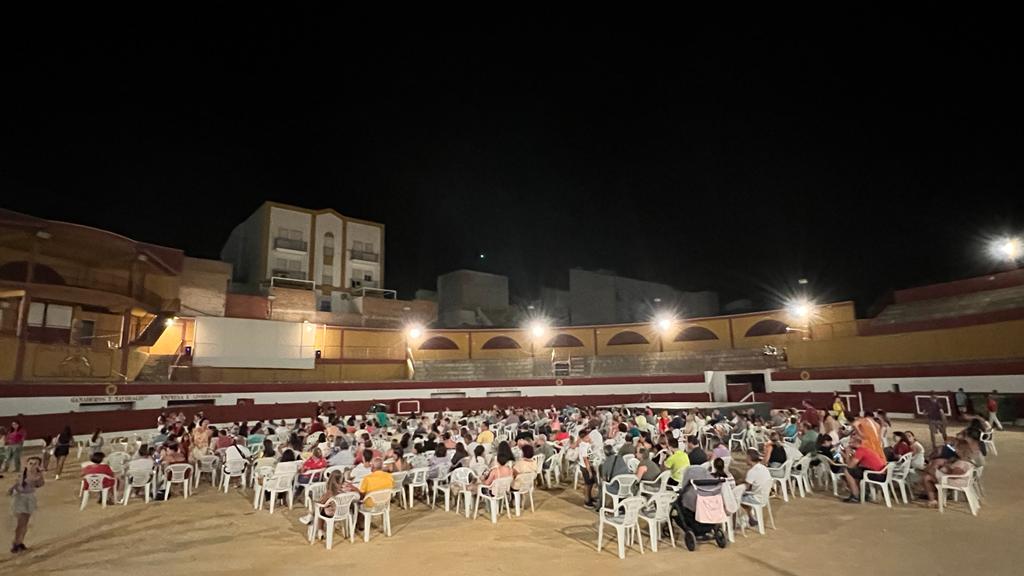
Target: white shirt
[359, 472]
[236, 452]
[595, 438]
[759, 479]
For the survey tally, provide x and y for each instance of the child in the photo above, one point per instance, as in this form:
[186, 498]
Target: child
[24, 500]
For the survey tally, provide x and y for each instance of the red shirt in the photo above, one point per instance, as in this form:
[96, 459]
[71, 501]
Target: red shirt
[98, 469]
[313, 464]
[868, 459]
[18, 436]
[991, 405]
[902, 448]
[317, 426]
[562, 435]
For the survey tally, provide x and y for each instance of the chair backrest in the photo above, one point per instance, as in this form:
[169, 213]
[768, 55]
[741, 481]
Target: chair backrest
[117, 460]
[381, 501]
[265, 461]
[343, 503]
[330, 469]
[501, 486]
[139, 477]
[178, 472]
[419, 476]
[316, 490]
[461, 476]
[539, 459]
[663, 504]
[902, 468]
[279, 482]
[399, 478]
[287, 467]
[206, 463]
[631, 509]
[625, 483]
[234, 467]
[420, 461]
[632, 464]
[527, 479]
[262, 472]
[95, 481]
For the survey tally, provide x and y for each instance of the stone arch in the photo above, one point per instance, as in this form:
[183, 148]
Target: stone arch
[500, 343]
[438, 343]
[627, 337]
[767, 327]
[695, 333]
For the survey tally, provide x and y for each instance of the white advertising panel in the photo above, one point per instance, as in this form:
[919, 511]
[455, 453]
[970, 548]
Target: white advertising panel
[244, 343]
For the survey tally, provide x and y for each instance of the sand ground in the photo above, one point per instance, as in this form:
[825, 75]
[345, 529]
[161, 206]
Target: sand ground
[217, 533]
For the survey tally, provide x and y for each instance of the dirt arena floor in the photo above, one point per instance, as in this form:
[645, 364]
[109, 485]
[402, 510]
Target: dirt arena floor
[217, 533]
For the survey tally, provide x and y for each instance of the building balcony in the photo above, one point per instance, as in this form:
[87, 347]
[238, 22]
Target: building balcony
[364, 256]
[291, 245]
[290, 274]
[355, 283]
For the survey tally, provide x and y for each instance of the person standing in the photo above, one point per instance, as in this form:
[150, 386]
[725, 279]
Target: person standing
[961, 404]
[936, 420]
[15, 439]
[993, 410]
[23, 504]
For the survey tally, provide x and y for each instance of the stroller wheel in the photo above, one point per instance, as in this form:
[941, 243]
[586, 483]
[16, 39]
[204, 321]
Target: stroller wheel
[720, 538]
[690, 540]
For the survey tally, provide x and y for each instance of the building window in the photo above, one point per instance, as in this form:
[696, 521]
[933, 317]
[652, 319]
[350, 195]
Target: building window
[294, 265]
[328, 245]
[327, 278]
[369, 247]
[49, 323]
[86, 331]
[357, 246]
[368, 277]
[325, 305]
[281, 263]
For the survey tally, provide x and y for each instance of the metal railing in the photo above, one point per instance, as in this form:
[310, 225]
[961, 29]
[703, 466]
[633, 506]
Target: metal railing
[288, 274]
[364, 256]
[289, 244]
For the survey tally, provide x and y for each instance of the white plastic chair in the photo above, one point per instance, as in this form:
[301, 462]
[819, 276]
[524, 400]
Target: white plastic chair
[990, 444]
[529, 478]
[978, 471]
[958, 483]
[495, 495]
[624, 483]
[799, 475]
[381, 507]
[118, 462]
[234, 469]
[315, 476]
[539, 459]
[278, 484]
[141, 478]
[661, 513]
[626, 525]
[656, 486]
[781, 477]
[763, 501]
[259, 463]
[459, 476]
[882, 479]
[399, 489]
[552, 475]
[418, 479]
[259, 477]
[177, 474]
[206, 465]
[343, 514]
[94, 485]
[314, 492]
[901, 478]
[739, 441]
[463, 482]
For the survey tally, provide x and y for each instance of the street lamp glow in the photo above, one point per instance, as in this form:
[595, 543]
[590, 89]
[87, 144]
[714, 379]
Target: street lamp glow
[664, 322]
[800, 309]
[414, 332]
[1011, 249]
[538, 329]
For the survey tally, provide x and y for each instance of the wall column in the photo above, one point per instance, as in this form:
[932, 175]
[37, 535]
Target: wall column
[23, 309]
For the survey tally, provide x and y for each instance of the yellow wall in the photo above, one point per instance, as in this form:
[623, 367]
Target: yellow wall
[376, 344]
[8, 357]
[586, 335]
[987, 341]
[480, 337]
[606, 333]
[720, 327]
[461, 339]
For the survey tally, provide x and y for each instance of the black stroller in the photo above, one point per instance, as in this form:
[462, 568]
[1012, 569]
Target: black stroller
[694, 531]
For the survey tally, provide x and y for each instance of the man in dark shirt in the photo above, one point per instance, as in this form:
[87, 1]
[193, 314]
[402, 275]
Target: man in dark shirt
[696, 453]
[936, 419]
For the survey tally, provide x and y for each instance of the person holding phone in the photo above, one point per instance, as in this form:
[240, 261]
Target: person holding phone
[23, 504]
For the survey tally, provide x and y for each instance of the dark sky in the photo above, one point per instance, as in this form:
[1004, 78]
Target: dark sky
[865, 154]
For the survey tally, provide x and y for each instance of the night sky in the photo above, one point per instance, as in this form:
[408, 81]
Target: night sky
[864, 154]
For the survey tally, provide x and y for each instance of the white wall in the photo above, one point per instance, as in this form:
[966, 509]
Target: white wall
[291, 220]
[357, 231]
[245, 343]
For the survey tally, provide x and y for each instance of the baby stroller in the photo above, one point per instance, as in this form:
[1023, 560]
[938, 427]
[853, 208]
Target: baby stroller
[703, 523]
